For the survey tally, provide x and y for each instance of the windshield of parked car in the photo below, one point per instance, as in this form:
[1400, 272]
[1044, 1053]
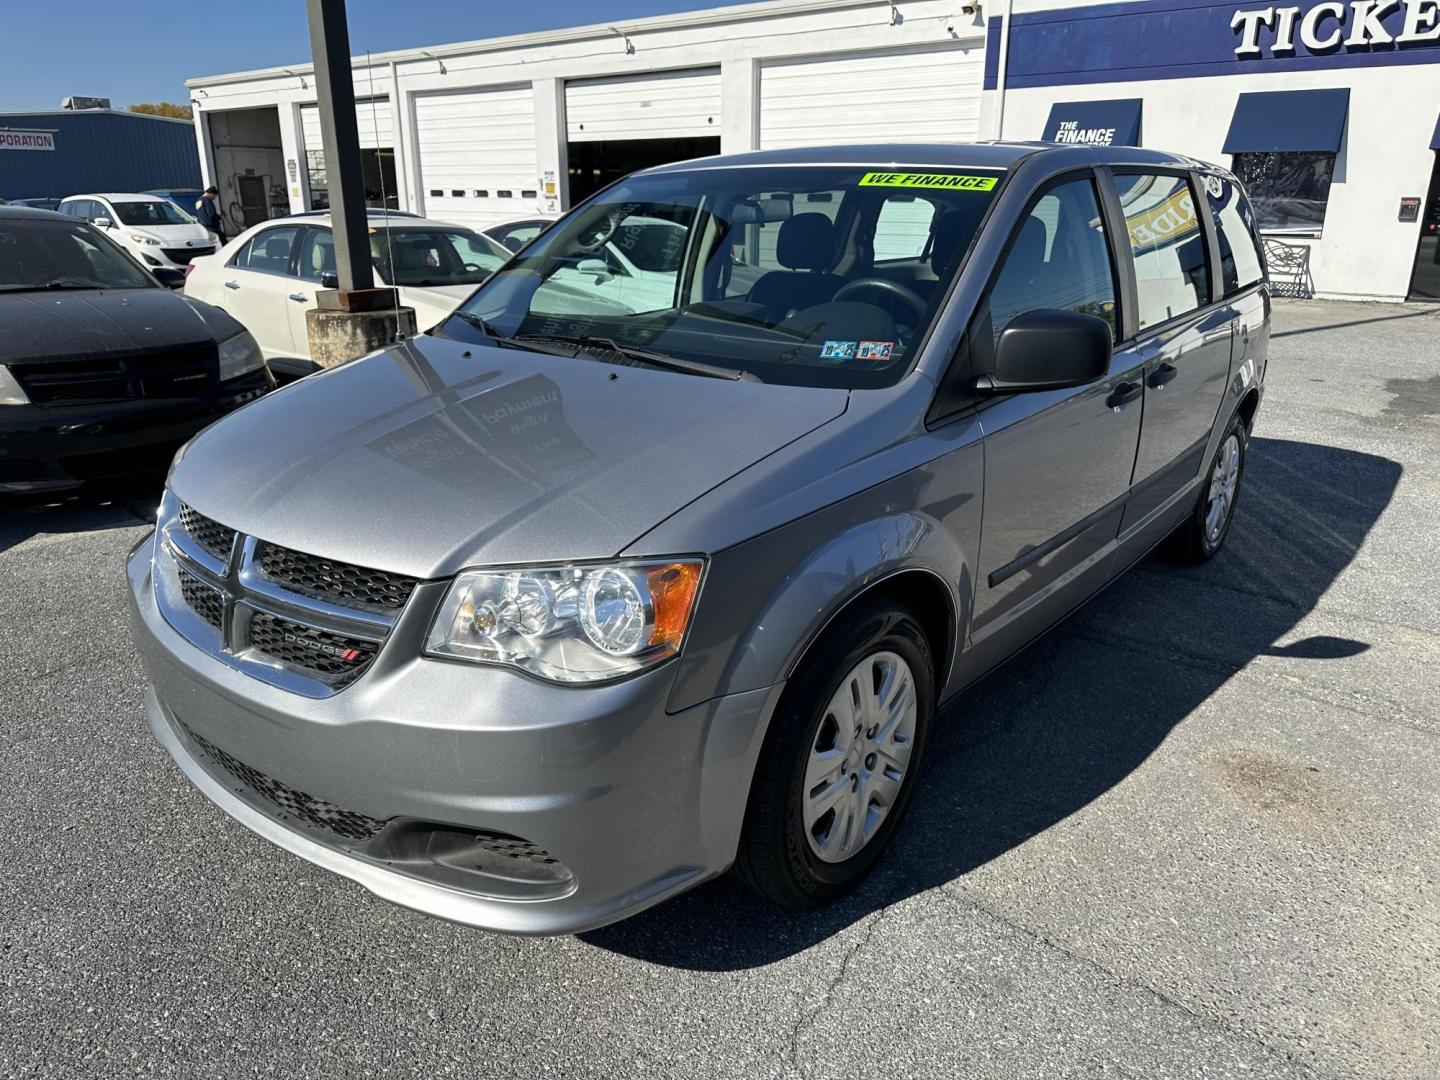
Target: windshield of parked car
[805, 275]
[49, 254]
[424, 257]
[151, 212]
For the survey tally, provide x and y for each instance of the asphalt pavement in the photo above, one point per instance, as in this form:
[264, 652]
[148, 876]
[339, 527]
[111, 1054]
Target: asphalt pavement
[1191, 833]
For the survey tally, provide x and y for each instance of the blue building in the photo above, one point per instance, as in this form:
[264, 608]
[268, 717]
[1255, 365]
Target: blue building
[55, 154]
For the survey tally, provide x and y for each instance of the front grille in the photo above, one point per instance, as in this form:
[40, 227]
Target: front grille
[336, 582]
[206, 602]
[74, 380]
[171, 373]
[333, 658]
[347, 824]
[215, 538]
[184, 255]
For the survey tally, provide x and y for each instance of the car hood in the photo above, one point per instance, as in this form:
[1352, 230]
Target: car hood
[72, 325]
[434, 455]
[169, 235]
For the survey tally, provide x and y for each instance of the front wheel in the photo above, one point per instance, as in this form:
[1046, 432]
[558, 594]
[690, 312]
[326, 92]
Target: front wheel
[840, 760]
[1203, 533]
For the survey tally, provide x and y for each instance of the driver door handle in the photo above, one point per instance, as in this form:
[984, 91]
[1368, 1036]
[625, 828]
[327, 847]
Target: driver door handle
[299, 298]
[1124, 393]
[232, 284]
[1162, 375]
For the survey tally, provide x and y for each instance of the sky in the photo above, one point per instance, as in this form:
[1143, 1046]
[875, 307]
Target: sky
[143, 50]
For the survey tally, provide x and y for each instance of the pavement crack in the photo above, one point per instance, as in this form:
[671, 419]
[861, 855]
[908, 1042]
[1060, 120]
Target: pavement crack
[807, 1019]
[957, 892]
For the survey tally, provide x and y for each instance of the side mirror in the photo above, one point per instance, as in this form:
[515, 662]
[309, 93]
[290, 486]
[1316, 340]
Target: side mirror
[597, 267]
[329, 281]
[1048, 349]
[102, 223]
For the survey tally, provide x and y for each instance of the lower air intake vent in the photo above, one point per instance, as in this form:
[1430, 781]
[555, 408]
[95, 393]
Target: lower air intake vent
[317, 813]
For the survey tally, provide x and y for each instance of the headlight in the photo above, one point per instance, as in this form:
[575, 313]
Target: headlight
[144, 240]
[239, 355]
[570, 624]
[10, 390]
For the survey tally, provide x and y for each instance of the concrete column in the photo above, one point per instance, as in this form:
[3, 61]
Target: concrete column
[400, 125]
[292, 148]
[203, 145]
[740, 113]
[550, 140]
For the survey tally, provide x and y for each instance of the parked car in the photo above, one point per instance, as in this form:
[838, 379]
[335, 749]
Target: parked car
[268, 276]
[159, 235]
[102, 370]
[514, 235]
[186, 199]
[538, 619]
[35, 204]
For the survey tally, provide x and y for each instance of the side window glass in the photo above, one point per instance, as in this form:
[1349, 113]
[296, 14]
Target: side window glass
[1167, 243]
[1058, 259]
[902, 228]
[241, 257]
[269, 252]
[1240, 264]
[317, 254]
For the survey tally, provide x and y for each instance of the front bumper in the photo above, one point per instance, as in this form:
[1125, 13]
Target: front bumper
[48, 447]
[635, 803]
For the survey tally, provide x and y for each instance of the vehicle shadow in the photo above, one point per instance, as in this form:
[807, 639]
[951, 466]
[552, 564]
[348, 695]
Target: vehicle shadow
[113, 504]
[1080, 710]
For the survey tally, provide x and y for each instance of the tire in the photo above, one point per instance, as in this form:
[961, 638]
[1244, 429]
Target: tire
[801, 862]
[1199, 538]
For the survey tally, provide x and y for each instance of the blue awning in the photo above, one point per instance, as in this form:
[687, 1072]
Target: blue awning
[1288, 120]
[1095, 123]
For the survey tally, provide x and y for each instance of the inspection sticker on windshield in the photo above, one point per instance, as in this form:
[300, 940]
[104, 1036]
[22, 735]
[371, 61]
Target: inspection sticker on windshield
[876, 351]
[948, 181]
[838, 350]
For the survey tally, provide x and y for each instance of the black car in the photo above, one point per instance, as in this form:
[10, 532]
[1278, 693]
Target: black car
[103, 370]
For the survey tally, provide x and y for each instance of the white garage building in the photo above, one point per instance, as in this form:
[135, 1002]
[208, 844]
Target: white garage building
[490, 131]
[1327, 110]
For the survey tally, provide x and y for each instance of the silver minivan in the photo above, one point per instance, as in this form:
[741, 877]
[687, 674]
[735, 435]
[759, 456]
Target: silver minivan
[593, 593]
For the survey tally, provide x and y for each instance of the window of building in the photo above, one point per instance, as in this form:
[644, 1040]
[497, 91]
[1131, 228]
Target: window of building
[1058, 259]
[1168, 245]
[1235, 228]
[1289, 190]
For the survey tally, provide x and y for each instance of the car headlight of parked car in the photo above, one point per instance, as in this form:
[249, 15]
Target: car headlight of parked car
[238, 355]
[11, 393]
[570, 624]
[150, 241]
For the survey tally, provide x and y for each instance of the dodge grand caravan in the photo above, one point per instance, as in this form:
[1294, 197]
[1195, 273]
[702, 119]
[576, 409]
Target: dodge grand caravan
[549, 614]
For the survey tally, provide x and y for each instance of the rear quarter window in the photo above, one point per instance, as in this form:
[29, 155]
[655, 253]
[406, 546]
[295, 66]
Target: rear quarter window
[1240, 260]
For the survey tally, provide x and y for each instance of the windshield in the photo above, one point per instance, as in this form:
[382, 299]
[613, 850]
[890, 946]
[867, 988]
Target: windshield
[804, 275]
[155, 212]
[51, 254]
[428, 257]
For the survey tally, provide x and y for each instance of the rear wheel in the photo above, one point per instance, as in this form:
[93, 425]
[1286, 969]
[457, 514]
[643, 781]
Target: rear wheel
[1203, 533]
[840, 760]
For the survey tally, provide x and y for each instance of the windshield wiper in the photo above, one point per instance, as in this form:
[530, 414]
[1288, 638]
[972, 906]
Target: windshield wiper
[58, 283]
[641, 356]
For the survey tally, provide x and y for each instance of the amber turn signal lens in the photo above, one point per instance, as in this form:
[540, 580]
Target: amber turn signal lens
[672, 592]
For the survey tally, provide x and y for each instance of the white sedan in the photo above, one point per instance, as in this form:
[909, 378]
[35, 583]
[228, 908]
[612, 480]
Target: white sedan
[267, 277]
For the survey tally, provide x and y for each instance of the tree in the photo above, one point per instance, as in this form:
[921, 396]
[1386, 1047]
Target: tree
[164, 108]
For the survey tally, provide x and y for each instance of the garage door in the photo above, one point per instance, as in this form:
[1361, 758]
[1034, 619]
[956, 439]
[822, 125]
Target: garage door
[671, 104]
[872, 97]
[477, 155]
[372, 118]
